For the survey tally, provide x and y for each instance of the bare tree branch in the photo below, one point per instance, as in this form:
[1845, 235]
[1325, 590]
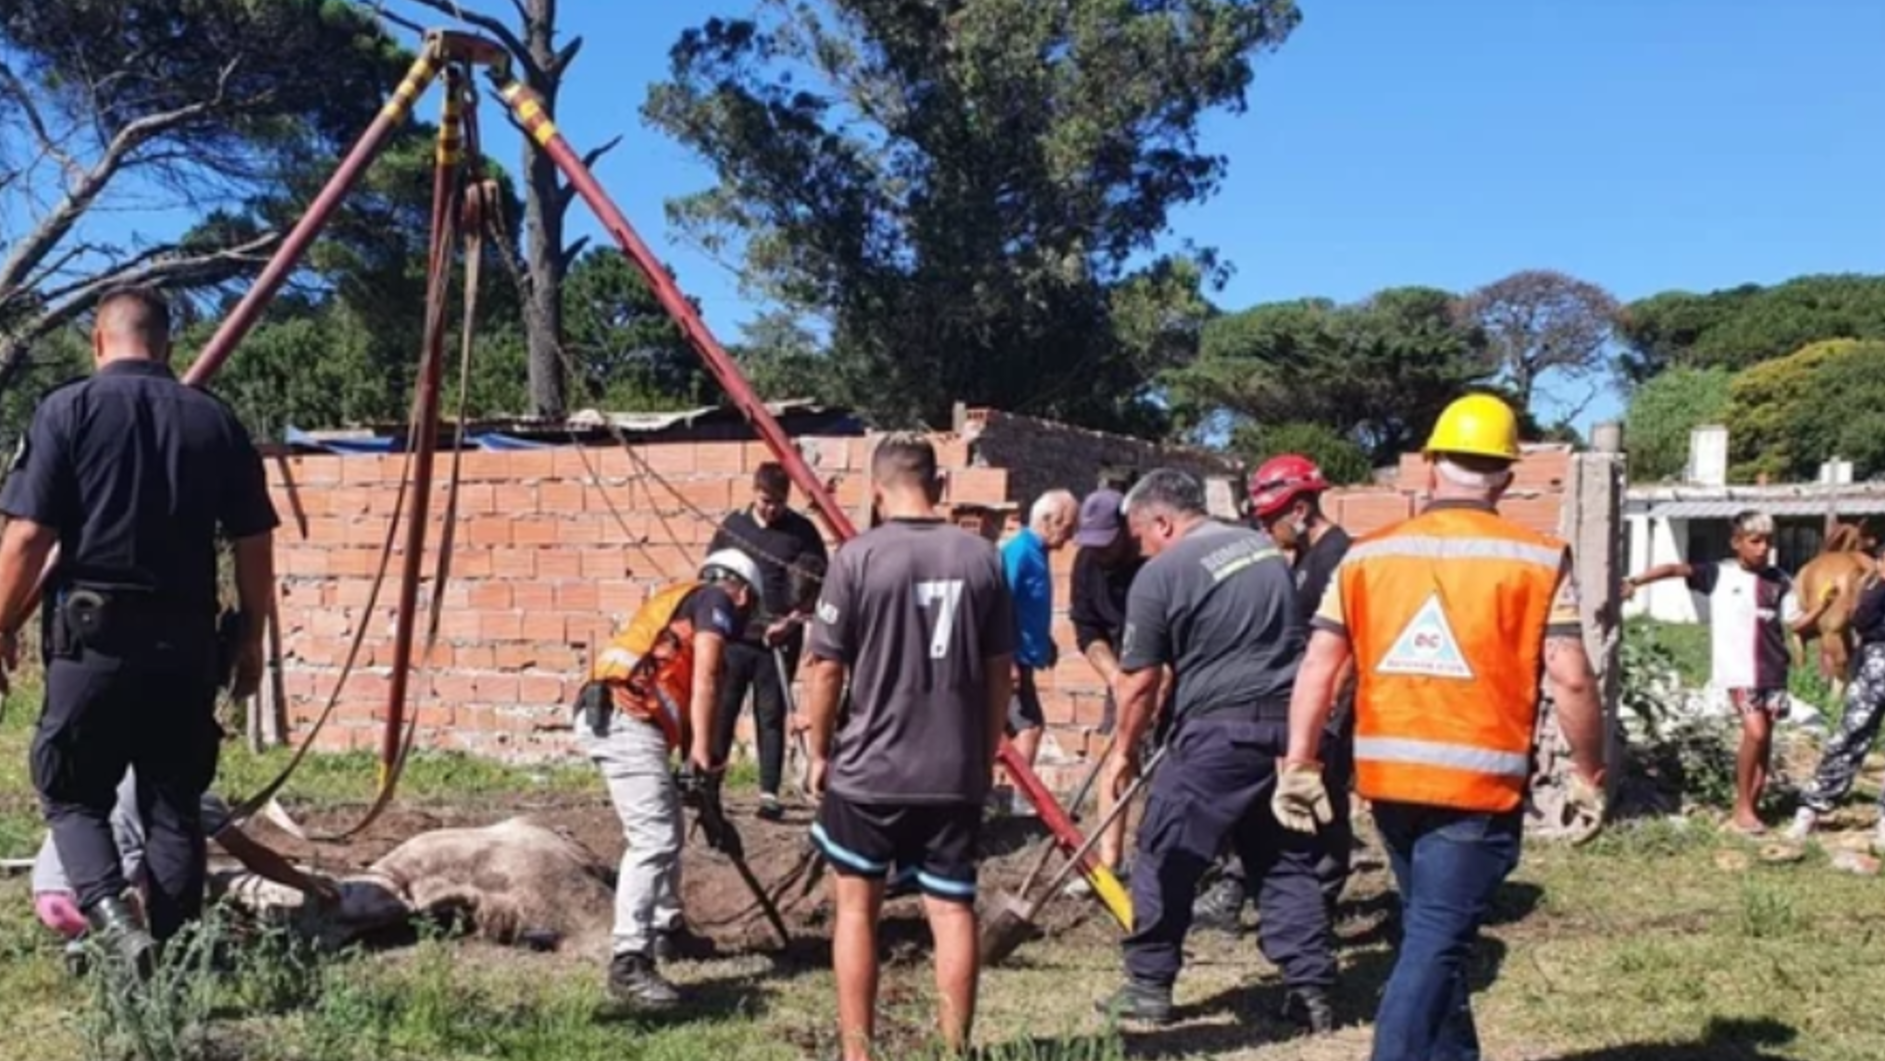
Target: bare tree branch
[380, 11]
[594, 155]
[523, 13]
[17, 92]
[574, 251]
[151, 268]
[33, 248]
[484, 22]
[565, 56]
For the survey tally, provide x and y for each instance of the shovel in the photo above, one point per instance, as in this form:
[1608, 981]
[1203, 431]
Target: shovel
[1013, 918]
[801, 776]
[1073, 814]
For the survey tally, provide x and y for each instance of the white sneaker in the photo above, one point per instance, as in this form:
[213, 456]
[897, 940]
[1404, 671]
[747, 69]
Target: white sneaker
[1804, 820]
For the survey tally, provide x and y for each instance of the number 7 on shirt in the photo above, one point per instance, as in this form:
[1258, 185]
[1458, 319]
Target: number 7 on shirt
[946, 595]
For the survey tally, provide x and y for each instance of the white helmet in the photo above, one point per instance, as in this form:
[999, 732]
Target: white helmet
[723, 562]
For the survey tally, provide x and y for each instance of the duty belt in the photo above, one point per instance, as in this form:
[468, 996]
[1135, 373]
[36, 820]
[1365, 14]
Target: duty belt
[1275, 709]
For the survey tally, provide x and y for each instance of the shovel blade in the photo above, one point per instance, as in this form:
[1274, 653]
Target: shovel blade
[1005, 928]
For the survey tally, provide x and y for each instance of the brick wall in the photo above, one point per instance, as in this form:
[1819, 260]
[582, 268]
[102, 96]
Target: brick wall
[1041, 455]
[552, 549]
[1535, 500]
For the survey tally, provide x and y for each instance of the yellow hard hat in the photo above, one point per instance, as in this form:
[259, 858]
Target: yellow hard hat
[1478, 425]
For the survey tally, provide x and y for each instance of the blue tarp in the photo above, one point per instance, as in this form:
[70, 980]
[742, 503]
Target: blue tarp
[490, 440]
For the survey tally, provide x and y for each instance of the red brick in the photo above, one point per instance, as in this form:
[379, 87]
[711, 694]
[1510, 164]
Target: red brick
[578, 597]
[455, 688]
[515, 657]
[326, 530]
[579, 530]
[618, 595]
[489, 594]
[299, 562]
[542, 626]
[667, 458]
[556, 659]
[500, 626]
[533, 597]
[539, 689]
[343, 501]
[532, 464]
[515, 499]
[568, 463]
[559, 563]
[437, 716]
[484, 466]
[473, 657]
[496, 688]
[441, 658]
[952, 451]
[514, 562]
[462, 624]
[352, 592]
[488, 530]
[308, 471]
[978, 485]
[560, 498]
[756, 454]
[477, 499]
[534, 530]
[719, 458]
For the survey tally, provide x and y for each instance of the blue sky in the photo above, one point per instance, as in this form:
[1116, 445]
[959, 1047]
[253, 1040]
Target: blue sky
[1641, 144]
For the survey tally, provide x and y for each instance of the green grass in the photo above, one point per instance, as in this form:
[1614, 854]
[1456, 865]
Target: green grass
[1660, 941]
[1686, 643]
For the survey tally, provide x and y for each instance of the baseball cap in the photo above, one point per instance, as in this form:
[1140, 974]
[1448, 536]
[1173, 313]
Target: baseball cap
[1099, 519]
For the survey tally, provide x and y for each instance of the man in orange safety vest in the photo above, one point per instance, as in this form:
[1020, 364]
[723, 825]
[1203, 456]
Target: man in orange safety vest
[1450, 619]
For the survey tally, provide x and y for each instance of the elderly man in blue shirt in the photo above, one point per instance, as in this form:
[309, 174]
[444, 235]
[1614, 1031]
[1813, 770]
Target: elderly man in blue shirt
[1052, 523]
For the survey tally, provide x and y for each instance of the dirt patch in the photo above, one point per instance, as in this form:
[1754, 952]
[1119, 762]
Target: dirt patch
[717, 901]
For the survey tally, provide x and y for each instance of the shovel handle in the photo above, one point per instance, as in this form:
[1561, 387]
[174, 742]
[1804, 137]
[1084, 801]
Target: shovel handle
[1073, 812]
[1078, 857]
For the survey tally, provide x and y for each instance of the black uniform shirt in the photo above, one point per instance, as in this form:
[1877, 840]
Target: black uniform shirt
[790, 537]
[137, 471]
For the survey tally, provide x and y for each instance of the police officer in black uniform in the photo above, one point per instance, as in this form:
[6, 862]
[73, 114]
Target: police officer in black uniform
[131, 474]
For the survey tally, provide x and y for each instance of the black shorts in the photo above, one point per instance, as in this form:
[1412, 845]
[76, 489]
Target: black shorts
[933, 843]
[1024, 708]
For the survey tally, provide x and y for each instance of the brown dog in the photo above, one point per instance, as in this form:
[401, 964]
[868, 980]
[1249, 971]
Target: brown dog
[1838, 571]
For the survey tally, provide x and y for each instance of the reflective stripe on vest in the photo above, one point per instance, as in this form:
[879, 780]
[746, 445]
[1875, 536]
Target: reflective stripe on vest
[1447, 614]
[649, 666]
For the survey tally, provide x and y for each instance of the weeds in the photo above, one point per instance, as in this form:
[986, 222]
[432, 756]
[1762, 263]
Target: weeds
[1767, 912]
[166, 1018]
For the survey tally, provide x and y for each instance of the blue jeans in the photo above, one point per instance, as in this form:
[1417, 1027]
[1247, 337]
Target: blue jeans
[1447, 865]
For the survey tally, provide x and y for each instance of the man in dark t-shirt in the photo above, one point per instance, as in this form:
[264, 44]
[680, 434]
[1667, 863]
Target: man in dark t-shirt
[917, 612]
[783, 543]
[1285, 501]
[1217, 605]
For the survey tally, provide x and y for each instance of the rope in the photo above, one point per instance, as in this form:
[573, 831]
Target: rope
[574, 371]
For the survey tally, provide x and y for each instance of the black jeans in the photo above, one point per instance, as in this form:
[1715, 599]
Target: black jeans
[751, 666]
[102, 715]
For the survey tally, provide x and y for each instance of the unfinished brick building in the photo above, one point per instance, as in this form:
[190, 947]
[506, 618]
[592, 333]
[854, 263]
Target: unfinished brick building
[563, 530]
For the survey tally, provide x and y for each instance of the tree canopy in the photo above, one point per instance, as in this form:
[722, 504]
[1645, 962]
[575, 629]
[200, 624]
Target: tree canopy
[1743, 326]
[1376, 373]
[958, 192]
[1662, 414]
[1788, 415]
[1540, 323]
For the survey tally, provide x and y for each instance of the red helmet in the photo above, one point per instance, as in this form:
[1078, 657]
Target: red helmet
[1281, 480]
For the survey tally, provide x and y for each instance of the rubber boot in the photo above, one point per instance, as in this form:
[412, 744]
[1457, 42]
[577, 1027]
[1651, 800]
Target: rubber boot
[633, 980]
[1309, 1009]
[1139, 1000]
[119, 927]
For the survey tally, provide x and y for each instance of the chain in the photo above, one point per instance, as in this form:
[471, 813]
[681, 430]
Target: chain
[647, 471]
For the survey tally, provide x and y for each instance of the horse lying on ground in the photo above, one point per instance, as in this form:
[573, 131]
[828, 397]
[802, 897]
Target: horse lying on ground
[1841, 568]
[515, 882]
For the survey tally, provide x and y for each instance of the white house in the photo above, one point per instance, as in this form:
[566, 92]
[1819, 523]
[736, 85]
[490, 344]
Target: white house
[1668, 523]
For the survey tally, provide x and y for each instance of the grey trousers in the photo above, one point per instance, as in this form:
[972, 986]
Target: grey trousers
[633, 758]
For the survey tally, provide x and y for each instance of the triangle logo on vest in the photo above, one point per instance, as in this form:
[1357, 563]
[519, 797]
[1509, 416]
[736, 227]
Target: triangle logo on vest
[1427, 647]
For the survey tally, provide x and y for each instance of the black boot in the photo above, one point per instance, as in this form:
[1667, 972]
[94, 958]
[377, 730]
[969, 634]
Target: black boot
[633, 980]
[1308, 1008]
[118, 926]
[1221, 909]
[1138, 1000]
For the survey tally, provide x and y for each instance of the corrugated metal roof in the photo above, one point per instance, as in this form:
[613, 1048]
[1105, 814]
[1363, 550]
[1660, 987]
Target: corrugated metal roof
[1862, 505]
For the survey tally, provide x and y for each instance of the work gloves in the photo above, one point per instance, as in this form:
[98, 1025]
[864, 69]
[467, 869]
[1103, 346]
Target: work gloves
[1301, 801]
[700, 790]
[1585, 805]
